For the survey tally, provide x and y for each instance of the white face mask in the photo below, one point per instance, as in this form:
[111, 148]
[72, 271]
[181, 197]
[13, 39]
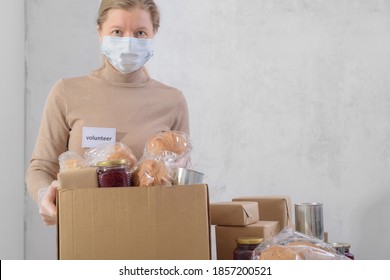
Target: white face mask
[127, 54]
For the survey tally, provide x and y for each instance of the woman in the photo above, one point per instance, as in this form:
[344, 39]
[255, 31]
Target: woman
[119, 99]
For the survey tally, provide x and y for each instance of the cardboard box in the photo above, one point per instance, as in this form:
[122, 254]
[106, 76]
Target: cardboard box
[78, 178]
[235, 213]
[272, 208]
[134, 223]
[226, 236]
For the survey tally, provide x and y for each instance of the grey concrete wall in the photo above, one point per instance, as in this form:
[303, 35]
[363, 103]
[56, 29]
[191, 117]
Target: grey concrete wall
[12, 130]
[286, 97]
[61, 41]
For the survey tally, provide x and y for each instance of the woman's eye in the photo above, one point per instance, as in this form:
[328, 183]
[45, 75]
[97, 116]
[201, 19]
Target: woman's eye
[141, 34]
[116, 33]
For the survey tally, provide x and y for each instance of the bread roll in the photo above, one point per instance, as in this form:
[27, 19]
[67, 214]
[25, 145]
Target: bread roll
[171, 141]
[279, 252]
[73, 164]
[151, 173]
[121, 151]
[71, 160]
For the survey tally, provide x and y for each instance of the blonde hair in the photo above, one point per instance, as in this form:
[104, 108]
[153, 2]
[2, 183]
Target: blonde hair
[147, 5]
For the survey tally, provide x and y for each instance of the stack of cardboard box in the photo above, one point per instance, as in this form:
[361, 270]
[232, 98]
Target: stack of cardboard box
[254, 216]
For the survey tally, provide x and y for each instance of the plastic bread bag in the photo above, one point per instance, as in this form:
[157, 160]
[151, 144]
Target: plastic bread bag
[71, 160]
[110, 151]
[171, 143]
[153, 171]
[292, 245]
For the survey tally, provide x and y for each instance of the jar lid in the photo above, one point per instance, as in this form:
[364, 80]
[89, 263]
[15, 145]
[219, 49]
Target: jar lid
[112, 162]
[249, 240]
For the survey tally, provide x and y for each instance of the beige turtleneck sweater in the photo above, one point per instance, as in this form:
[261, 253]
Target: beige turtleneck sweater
[136, 105]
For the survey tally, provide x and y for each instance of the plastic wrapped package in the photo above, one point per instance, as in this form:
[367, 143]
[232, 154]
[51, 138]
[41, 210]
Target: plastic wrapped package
[110, 152]
[152, 171]
[71, 160]
[175, 144]
[292, 245]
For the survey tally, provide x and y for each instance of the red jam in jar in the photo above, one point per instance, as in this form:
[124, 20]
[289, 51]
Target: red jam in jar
[114, 173]
[245, 247]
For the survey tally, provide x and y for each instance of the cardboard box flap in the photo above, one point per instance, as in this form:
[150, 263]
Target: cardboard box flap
[272, 208]
[234, 213]
[247, 213]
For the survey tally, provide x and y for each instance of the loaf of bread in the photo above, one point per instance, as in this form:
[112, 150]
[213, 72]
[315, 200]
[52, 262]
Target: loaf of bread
[289, 244]
[299, 250]
[311, 251]
[279, 252]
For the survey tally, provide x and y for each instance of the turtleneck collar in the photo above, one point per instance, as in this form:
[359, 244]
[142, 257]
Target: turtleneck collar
[113, 76]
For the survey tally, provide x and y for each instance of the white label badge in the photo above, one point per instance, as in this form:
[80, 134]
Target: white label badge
[95, 136]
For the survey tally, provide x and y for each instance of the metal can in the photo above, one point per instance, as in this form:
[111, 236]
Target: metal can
[343, 248]
[114, 173]
[338, 247]
[245, 247]
[309, 219]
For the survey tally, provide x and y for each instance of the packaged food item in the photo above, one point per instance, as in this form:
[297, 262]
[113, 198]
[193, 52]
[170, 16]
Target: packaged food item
[78, 178]
[347, 252]
[279, 252]
[152, 172]
[185, 176]
[338, 247]
[175, 144]
[245, 247]
[109, 152]
[71, 160]
[290, 244]
[343, 248]
[234, 213]
[113, 173]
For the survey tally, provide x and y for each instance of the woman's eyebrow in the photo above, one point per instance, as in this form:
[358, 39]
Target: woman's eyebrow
[116, 26]
[142, 27]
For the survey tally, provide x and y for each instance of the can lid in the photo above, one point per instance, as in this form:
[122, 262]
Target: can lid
[112, 162]
[249, 240]
[341, 244]
[336, 244]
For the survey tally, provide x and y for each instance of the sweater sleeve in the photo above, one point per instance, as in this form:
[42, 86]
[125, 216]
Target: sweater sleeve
[52, 141]
[181, 120]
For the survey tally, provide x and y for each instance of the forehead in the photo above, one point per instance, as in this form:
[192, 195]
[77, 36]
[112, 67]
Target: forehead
[131, 18]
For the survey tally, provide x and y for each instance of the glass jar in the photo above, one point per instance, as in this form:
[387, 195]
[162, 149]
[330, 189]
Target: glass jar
[113, 173]
[338, 247]
[347, 253]
[245, 247]
[343, 248]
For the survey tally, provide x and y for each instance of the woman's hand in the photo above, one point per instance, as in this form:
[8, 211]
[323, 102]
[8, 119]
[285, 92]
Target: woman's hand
[47, 203]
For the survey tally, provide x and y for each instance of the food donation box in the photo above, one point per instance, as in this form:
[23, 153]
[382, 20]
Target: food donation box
[134, 223]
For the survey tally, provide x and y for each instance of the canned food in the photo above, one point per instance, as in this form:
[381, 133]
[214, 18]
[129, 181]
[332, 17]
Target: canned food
[343, 248]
